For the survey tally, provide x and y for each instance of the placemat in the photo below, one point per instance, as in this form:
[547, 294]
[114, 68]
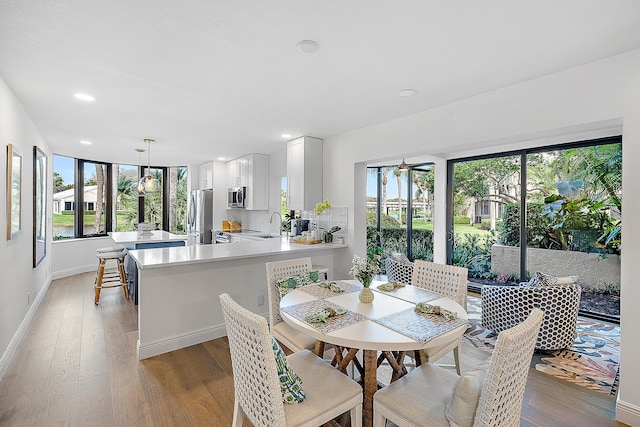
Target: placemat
[421, 327]
[410, 293]
[300, 311]
[320, 292]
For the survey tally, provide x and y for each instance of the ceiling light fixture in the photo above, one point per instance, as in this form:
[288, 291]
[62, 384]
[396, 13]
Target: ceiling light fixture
[221, 158]
[408, 92]
[86, 142]
[84, 97]
[307, 46]
[285, 135]
[403, 166]
[148, 183]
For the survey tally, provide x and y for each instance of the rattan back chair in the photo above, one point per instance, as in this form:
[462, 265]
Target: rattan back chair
[423, 396]
[449, 281]
[256, 383]
[284, 333]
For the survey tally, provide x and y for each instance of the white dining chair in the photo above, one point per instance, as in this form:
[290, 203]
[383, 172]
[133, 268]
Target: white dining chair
[449, 281]
[282, 332]
[490, 395]
[329, 393]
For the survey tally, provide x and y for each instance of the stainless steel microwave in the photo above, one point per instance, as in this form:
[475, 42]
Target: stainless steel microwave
[235, 197]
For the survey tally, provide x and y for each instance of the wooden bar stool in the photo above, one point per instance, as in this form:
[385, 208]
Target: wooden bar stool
[118, 277]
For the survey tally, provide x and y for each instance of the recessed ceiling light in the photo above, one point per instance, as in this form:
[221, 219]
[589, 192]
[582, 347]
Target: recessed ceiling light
[84, 97]
[86, 142]
[408, 92]
[285, 135]
[307, 46]
[220, 158]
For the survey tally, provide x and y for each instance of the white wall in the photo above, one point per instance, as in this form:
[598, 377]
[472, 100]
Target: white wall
[19, 278]
[580, 103]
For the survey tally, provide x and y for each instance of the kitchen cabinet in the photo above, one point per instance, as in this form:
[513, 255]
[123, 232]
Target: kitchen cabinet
[206, 176]
[304, 173]
[252, 172]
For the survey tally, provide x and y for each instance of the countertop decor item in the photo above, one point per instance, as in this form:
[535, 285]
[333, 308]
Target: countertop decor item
[322, 206]
[328, 234]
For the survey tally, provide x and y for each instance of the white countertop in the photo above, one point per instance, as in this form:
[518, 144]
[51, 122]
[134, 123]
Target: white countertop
[164, 257]
[156, 236]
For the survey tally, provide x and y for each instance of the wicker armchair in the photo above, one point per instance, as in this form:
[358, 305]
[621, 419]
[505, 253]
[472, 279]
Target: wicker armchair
[505, 306]
[256, 383]
[426, 392]
[284, 333]
[398, 271]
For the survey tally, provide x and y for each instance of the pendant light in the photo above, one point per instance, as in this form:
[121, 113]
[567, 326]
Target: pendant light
[139, 187]
[148, 183]
[403, 166]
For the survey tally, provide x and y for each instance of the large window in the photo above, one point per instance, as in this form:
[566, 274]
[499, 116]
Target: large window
[399, 210]
[566, 222]
[107, 198]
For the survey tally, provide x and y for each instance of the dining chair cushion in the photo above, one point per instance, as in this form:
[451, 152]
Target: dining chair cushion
[290, 382]
[409, 394]
[462, 407]
[287, 284]
[292, 338]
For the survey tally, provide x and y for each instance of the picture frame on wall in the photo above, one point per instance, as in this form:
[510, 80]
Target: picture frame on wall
[39, 206]
[14, 193]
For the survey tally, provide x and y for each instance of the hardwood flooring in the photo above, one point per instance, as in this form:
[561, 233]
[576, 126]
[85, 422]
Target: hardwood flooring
[77, 366]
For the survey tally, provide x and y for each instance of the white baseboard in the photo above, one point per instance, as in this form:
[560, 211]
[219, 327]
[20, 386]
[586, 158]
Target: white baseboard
[627, 413]
[182, 341]
[7, 356]
[73, 271]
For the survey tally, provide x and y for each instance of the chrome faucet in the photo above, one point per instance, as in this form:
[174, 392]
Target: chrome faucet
[279, 224]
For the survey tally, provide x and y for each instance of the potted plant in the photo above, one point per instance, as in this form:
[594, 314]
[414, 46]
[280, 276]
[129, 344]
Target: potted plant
[328, 234]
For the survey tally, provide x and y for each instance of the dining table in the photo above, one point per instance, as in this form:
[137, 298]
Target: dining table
[386, 329]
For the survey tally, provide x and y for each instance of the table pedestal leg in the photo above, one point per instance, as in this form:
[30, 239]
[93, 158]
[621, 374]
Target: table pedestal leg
[370, 385]
[319, 348]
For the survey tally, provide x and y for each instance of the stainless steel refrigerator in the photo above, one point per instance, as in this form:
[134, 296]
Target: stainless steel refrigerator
[200, 216]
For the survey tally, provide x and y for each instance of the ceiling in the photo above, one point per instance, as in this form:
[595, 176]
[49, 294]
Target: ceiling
[209, 79]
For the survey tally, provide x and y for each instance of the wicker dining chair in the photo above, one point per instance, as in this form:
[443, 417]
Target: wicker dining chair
[449, 281]
[256, 383]
[430, 394]
[282, 332]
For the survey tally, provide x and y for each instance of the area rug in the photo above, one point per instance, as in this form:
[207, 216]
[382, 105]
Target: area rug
[593, 361]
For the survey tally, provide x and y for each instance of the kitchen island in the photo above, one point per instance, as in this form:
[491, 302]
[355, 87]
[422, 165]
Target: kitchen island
[178, 287]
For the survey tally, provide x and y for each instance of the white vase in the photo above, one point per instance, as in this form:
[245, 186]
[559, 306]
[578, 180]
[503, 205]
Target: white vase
[366, 295]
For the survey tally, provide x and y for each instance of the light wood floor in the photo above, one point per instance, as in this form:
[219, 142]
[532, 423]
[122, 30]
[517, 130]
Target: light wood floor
[77, 366]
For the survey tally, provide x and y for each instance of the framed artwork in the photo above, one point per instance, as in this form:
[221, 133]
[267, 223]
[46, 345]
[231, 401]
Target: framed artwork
[14, 192]
[39, 206]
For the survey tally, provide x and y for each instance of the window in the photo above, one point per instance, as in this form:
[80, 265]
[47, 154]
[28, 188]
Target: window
[553, 209]
[399, 210]
[109, 200]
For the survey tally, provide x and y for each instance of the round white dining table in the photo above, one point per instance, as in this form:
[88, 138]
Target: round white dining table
[371, 336]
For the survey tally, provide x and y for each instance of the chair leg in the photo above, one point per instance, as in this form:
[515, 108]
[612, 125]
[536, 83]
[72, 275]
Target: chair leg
[356, 416]
[378, 420]
[98, 284]
[123, 278]
[457, 355]
[238, 415]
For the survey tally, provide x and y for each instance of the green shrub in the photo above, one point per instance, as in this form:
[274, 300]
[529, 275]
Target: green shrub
[386, 220]
[67, 212]
[395, 240]
[461, 219]
[473, 252]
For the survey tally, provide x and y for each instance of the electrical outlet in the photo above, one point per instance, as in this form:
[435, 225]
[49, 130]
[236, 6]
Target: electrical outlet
[260, 300]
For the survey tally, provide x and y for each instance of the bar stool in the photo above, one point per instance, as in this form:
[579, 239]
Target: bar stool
[118, 277]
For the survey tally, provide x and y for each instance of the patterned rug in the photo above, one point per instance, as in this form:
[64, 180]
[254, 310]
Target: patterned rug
[592, 361]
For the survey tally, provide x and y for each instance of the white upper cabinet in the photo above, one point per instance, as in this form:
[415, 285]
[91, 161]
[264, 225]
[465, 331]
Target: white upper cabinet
[304, 173]
[251, 171]
[206, 176]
